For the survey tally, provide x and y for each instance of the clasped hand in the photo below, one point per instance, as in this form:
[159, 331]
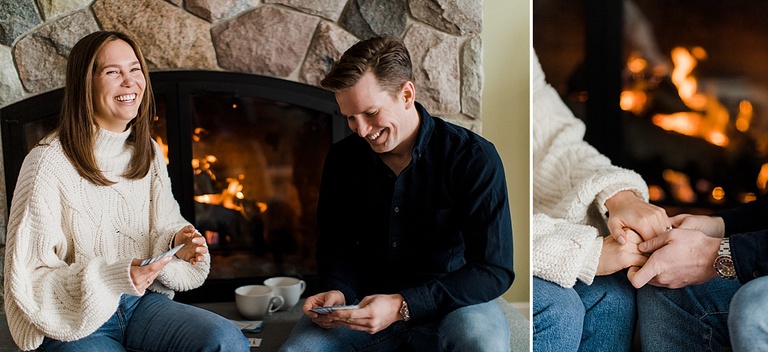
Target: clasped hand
[682, 256]
[376, 312]
[677, 251]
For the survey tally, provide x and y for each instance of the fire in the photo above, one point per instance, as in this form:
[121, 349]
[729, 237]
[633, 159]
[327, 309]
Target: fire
[705, 117]
[762, 178]
[680, 186]
[232, 197]
[744, 118]
[164, 148]
[686, 84]
[709, 118]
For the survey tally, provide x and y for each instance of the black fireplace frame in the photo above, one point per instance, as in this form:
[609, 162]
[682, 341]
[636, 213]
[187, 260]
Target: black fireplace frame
[176, 87]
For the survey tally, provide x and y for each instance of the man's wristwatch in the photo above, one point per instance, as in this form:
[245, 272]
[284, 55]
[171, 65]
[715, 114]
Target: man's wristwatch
[724, 262]
[404, 311]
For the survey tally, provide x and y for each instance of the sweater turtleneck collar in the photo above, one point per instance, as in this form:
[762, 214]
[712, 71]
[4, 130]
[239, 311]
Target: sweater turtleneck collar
[110, 144]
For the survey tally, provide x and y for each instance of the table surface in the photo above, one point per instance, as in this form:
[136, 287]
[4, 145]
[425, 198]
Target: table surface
[276, 328]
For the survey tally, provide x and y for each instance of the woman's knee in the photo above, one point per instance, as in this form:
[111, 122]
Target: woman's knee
[551, 301]
[748, 305]
[224, 336]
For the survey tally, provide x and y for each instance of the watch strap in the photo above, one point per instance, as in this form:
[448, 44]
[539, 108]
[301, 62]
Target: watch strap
[725, 247]
[404, 311]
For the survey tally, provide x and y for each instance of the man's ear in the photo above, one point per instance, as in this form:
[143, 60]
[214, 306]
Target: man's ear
[408, 94]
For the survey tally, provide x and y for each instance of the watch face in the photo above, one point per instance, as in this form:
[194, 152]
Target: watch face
[724, 267]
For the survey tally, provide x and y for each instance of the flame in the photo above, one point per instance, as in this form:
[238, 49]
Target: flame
[228, 198]
[680, 186]
[686, 84]
[164, 148]
[633, 100]
[231, 197]
[203, 165]
[656, 193]
[744, 117]
[718, 193]
[710, 118]
[762, 178]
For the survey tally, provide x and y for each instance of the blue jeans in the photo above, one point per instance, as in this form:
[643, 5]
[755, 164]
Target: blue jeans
[748, 318]
[694, 318]
[596, 317]
[154, 322]
[480, 327]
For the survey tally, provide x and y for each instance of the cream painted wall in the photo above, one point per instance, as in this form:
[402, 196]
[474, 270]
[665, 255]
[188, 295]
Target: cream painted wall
[506, 52]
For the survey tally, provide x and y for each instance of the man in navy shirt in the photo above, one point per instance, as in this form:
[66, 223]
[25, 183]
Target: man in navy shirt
[414, 221]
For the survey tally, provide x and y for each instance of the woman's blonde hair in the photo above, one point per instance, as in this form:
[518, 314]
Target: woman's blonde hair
[77, 124]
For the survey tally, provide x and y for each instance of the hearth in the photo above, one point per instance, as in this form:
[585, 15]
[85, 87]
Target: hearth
[245, 155]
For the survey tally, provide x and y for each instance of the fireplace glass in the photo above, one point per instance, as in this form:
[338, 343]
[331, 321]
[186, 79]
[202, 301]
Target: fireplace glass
[680, 90]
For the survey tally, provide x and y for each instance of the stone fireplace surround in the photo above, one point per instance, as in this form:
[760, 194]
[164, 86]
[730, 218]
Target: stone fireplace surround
[296, 40]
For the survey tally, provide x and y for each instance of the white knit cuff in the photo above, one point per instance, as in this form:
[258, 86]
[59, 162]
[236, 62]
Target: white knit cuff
[589, 269]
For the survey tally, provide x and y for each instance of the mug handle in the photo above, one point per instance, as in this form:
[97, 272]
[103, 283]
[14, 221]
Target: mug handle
[273, 307]
[302, 286]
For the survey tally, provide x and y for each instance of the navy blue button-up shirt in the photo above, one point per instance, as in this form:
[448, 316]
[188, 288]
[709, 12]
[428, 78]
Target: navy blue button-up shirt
[440, 233]
[747, 227]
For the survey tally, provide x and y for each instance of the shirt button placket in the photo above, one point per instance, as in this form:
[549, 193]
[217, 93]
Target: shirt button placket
[397, 211]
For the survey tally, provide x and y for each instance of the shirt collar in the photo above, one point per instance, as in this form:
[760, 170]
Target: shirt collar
[426, 126]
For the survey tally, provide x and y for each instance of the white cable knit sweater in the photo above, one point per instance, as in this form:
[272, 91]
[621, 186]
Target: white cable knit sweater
[70, 243]
[571, 182]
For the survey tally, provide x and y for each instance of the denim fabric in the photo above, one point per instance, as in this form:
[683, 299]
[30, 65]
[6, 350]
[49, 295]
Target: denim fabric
[693, 318]
[748, 317]
[153, 322]
[480, 327]
[596, 317]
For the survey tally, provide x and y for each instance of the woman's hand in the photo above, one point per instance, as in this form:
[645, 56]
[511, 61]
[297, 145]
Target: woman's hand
[626, 210]
[195, 247]
[616, 256]
[143, 276]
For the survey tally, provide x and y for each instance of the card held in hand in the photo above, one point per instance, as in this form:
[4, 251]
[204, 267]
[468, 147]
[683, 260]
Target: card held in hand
[166, 254]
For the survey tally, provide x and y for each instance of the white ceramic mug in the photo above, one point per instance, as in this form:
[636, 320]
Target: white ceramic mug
[256, 301]
[290, 288]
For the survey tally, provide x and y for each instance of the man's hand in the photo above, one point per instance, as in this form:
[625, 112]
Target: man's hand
[376, 313]
[615, 256]
[627, 210]
[324, 299]
[679, 258]
[712, 226]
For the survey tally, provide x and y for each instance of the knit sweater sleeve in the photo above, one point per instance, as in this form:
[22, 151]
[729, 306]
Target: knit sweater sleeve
[166, 219]
[564, 251]
[44, 294]
[569, 177]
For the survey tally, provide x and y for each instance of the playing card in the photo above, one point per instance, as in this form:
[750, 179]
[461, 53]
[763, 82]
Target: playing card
[326, 310]
[166, 254]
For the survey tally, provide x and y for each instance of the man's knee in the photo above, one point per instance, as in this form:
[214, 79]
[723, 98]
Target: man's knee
[482, 327]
